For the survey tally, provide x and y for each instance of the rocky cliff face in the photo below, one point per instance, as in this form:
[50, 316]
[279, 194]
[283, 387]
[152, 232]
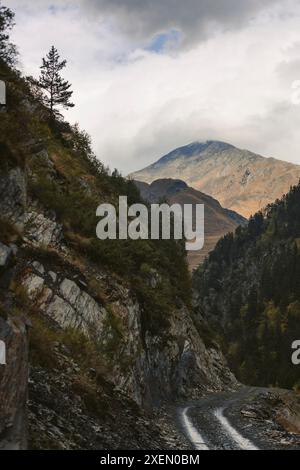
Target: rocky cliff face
[71, 296]
[72, 293]
[100, 352]
[240, 180]
[13, 327]
[13, 385]
[13, 196]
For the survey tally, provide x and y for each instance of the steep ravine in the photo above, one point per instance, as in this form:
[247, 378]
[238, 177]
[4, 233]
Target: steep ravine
[96, 356]
[95, 363]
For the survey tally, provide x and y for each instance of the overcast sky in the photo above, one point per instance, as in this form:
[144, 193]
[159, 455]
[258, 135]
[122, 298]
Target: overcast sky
[152, 75]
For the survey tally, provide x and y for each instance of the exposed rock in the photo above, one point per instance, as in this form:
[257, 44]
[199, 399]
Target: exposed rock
[38, 267]
[63, 313]
[249, 414]
[53, 276]
[160, 368]
[62, 416]
[276, 414]
[13, 385]
[34, 285]
[77, 309]
[43, 155]
[13, 195]
[5, 253]
[68, 305]
[41, 230]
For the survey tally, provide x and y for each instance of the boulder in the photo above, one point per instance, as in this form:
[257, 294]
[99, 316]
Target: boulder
[41, 230]
[34, 285]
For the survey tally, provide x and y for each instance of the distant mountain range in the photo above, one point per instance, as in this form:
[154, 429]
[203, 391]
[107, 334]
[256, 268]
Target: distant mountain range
[218, 221]
[239, 179]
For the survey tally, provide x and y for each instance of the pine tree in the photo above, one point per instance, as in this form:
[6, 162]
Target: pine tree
[8, 52]
[57, 89]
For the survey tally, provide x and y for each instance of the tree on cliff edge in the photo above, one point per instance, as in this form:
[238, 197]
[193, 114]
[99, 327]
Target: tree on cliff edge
[58, 92]
[8, 52]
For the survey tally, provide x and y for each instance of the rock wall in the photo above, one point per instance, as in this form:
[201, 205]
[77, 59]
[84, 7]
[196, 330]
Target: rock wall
[13, 196]
[149, 368]
[13, 329]
[71, 293]
[13, 385]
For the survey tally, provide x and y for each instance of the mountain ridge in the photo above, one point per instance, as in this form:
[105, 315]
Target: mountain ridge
[218, 220]
[239, 179]
[195, 146]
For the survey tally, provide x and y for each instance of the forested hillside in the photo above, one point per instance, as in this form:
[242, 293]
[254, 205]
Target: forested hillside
[249, 289]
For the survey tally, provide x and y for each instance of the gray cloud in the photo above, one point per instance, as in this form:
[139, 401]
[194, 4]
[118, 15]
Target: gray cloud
[140, 20]
[195, 18]
[235, 87]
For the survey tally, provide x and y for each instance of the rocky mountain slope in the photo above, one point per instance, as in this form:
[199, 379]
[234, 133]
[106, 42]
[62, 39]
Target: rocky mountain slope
[218, 221]
[108, 325]
[240, 180]
[249, 291]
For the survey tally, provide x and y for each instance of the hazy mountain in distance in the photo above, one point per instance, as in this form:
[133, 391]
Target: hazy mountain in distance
[239, 179]
[218, 221]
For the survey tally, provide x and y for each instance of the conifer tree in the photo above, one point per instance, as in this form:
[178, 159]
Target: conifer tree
[8, 52]
[57, 89]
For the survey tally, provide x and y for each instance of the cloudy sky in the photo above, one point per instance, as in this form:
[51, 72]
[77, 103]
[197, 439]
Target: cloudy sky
[152, 75]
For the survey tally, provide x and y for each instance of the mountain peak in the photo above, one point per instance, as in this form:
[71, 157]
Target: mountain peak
[239, 179]
[196, 148]
[218, 144]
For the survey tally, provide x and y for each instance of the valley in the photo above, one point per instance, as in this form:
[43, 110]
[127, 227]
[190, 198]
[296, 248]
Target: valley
[102, 328]
[135, 344]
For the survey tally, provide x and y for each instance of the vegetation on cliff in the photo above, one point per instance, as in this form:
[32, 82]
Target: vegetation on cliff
[74, 185]
[108, 322]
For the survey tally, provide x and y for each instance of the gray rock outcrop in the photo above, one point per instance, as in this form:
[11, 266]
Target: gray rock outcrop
[14, 385]
[13, 195]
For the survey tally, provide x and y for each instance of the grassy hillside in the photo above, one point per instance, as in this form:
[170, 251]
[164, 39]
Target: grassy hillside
[249, 288]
